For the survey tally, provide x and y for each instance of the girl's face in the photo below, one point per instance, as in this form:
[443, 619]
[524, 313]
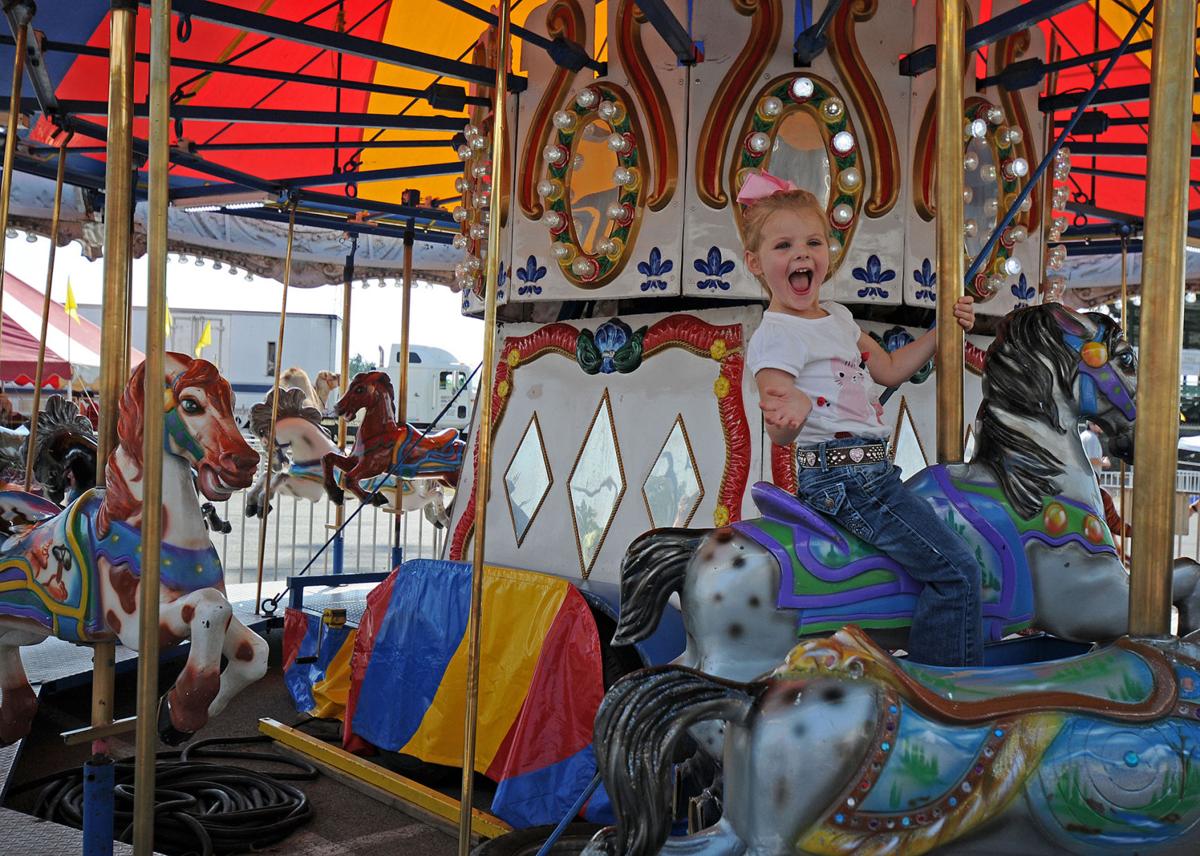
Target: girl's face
[793, 259]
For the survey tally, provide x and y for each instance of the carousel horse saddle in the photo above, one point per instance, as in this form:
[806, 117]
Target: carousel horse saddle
[1128, 680]
[777, 504]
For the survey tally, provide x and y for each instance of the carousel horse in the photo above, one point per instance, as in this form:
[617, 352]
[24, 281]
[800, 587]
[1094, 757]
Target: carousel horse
[324, 383]
[846, 750]
[64, 452]
[1027, 504]
[75, 574]
[301, 444]
[382, 446]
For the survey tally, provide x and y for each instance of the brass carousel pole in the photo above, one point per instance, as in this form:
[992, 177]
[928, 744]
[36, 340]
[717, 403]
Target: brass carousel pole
[483, 436]
[1125, 324]
[114, 326]
[402, 392]
[269, 451]
[152, 439]
[21, 14]
[343, 384]
[951, 40]
[1161, 330]
[41, 357]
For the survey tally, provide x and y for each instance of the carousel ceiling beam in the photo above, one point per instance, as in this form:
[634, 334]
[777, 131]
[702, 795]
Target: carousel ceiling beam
[673, 33]
[339, 224]
[317, 37]
[1116, 173]
[1113, 95]
[266, 73]
[373, 206]
[35, 61]
[1103, 230]
[264, 116]
[295, 145]
[1089, 210]
[49, 170]
[994, 29]
[1103, 248]
[362, 176]
[568, 55]
[1116, 150]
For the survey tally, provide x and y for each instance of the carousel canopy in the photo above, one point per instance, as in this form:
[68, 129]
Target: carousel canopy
[343, 105]
[72, 342]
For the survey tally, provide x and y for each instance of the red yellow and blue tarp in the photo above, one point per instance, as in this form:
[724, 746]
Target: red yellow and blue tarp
[540, 680]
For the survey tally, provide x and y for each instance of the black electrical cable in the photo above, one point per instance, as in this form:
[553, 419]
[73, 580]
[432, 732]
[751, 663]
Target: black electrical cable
[200, 808]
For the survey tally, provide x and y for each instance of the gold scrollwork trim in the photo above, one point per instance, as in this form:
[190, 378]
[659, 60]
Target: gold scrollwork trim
[649, 93]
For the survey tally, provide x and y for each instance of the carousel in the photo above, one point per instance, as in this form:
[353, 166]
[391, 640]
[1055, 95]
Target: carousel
[636, 630]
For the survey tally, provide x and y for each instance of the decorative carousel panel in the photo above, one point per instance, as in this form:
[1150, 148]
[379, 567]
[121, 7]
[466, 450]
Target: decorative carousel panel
[672, 489]
[638, 412]
[527, 480]
[999, 153]
[830, 127]
[599, 209]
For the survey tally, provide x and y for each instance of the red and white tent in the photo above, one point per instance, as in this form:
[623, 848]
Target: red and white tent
[70, 344]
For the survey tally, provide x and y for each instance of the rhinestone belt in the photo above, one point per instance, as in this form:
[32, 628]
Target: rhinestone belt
[843, 456]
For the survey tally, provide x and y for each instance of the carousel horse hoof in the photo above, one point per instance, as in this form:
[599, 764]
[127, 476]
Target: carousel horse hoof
[337, 496]
[378, 500]
[167, 732]
[251, 510]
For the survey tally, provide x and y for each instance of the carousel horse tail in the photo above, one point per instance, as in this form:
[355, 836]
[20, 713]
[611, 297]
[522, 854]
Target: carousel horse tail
[645, 716]
[654, 566]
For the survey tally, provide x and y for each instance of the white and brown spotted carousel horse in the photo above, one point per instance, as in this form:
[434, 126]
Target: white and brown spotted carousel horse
[76, 573]
[383, 446]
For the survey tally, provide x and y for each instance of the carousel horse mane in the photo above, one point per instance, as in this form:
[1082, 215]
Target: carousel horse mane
[1026, 365]
[297, 378]
[292, 404]
[119, 502]
[61, 431]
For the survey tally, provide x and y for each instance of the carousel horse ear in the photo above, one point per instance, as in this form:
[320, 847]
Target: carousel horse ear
[1071, 322]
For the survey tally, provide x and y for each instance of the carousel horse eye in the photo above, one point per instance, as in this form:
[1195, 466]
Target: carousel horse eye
[1126, 360]
[190, 405]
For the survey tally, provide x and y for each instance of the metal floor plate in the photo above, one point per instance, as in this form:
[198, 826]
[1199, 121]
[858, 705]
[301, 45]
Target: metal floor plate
[32, 837]
[353, 599]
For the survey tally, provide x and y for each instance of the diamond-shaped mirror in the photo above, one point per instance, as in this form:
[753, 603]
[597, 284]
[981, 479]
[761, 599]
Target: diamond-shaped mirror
[527, 479]
[907, 451]
[597, 484]
[672, 491]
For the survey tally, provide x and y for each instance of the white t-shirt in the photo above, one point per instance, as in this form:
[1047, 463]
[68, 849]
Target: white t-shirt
[822, 354]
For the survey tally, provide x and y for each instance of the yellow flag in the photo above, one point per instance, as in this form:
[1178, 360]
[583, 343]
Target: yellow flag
[71, 306]
[205, 338]
[170, 321]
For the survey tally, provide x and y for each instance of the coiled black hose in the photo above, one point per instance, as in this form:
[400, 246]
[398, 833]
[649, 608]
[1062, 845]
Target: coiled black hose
[199, 808]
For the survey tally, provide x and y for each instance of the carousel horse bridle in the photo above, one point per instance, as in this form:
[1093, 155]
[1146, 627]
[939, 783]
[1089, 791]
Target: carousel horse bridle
[1096, 377]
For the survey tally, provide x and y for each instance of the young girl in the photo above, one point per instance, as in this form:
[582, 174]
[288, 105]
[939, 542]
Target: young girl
[811, 361]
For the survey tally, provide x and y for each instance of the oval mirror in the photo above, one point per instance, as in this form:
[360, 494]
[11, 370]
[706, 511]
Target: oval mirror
[590, 187]
[799, 155]
[980, 211]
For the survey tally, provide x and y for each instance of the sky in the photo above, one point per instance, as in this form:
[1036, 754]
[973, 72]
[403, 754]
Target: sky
[374, 312]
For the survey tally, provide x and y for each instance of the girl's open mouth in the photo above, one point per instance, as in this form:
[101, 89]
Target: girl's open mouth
[800, 280]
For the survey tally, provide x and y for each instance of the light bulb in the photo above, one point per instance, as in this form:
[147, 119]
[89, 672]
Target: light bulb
[619, 143]
[976, 128]
[970, 227]
[770, 107]
[564, 121]
[842, 214]
[1012, 266]
[842, 142]
[758, 142]
[801, 89]
[555, 154]
[587, 98]
[832, 109]
[849, 179]
[970, 161]
[464, 152]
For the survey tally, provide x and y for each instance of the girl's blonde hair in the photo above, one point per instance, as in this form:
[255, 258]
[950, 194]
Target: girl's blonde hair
[756, 215]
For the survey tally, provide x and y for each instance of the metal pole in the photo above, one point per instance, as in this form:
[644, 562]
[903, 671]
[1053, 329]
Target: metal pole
[269, 452]
[402, 392]
[21, 15]
[114, 350]
[41, 357]
[339, 544]
[951, 38]
[483, 471]
[152, 440]
[1161, 330]
[1125, 324]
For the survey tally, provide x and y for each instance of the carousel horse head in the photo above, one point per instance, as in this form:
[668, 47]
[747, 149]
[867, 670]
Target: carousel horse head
[367, 390]
[198, 425]
[1048, 368]
[64, 453]
[292, 404]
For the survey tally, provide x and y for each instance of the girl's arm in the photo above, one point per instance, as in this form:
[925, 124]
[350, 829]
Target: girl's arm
[785, 408]
[895, 368]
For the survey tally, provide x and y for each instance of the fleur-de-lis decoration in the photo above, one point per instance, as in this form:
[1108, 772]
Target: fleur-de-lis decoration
[715, 268]
[926, 277]
[895, 338]
[1023, 291]
[874, 276]
[529, 275]
[653, 269]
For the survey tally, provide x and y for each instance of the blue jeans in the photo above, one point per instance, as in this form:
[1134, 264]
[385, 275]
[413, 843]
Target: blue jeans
[872, 502]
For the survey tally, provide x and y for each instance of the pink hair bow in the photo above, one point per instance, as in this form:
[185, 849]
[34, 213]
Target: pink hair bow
[760, 185]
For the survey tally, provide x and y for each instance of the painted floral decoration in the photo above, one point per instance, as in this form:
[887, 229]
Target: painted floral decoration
[1023, 291]
[874, 276]
[529, 276]
[715, 268]
[653, 269]
[614, 347]
[926, 277]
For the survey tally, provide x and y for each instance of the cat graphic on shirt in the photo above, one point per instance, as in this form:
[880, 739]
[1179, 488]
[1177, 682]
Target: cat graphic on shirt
[854, 401]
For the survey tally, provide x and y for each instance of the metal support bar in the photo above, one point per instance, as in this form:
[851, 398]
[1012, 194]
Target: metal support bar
[338, 225]
[811, 43]
[1021, 17]
[569, 55]
[364, 176]
[51, 45]
[78, 736]
[265, 116]
[35, 65]
[317, 37]
[673, 33]
[1116, 150]
[435, 214]
[1103, 213]
[1114, 95]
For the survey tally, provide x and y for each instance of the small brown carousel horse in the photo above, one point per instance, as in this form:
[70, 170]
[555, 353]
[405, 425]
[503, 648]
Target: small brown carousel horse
[381, 445]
